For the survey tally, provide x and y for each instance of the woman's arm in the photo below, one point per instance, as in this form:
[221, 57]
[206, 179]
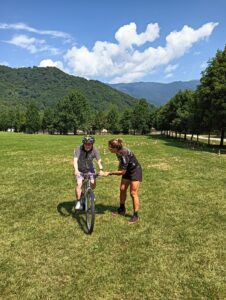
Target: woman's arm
[118, 173]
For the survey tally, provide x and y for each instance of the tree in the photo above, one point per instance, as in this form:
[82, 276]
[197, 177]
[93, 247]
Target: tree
[141, 117]
[182, 102]
[100, 121]
[73, 113]
[4, 118]
[126, 121]
[113, 120]
[32, 118]
[48, 120]
[212, 94]
[161, 119]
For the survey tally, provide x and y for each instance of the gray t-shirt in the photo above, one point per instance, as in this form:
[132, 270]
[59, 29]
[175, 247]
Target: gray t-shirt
[85, 159]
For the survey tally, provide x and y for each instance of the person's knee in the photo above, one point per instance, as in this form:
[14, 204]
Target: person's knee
[122, 190]
[93, 185]
[133, 194]
[79, 185]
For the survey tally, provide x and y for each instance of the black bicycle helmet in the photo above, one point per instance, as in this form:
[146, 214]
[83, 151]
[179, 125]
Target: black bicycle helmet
[88, 140]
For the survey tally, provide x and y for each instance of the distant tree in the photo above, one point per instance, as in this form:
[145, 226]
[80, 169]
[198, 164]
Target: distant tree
[195, 123]
[32, 118]
[4, 118]
[141, 117]
[113, 120]
[182, 102]
[162, 119]
[126, 121]
[212, 94]
[100, 121]
[48, 120]
[20, 121]
[73, 113]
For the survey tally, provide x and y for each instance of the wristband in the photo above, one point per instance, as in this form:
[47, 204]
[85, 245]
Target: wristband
[101, 169]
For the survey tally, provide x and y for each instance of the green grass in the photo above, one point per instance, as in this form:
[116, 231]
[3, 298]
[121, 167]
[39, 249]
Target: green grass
[176, 251]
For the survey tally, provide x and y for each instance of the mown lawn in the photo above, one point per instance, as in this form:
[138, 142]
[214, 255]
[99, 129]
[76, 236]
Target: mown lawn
[176, 251]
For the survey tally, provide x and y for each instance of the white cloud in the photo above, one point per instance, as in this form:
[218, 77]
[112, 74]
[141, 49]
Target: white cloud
[22, 26]
[130, 58]
[121, 62]
[169, 75]
[170, 68]
[50, 63]
[127, 35]
[32, 44]
[178, 42]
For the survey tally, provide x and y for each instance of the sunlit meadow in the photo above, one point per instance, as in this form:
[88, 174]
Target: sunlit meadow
[176, 251]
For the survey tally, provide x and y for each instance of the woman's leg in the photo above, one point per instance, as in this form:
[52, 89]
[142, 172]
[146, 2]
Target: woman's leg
[134, 188]
[123, 190]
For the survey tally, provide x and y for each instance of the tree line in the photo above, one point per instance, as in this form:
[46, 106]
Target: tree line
[201, 111]
[74, 113]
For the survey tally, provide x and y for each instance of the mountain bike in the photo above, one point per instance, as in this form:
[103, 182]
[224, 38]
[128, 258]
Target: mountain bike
[88, 202]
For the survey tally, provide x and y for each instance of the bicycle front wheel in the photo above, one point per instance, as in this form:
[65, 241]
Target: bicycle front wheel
[90, 210]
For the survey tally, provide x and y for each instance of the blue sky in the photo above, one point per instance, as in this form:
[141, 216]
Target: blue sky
[114, 41]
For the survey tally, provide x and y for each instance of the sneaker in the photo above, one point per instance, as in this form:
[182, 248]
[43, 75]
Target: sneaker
[78, 205]
[133, 220]
[120, 211]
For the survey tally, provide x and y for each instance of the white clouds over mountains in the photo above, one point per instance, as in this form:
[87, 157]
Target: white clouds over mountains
[122, 62]
[128, 59]
[32, 44]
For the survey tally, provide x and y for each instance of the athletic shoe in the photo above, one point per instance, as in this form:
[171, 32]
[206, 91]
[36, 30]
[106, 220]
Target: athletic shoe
[120, 211]
[133, 220]
[78, 205]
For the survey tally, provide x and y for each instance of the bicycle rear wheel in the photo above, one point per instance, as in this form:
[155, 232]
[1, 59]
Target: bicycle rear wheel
[90, 210]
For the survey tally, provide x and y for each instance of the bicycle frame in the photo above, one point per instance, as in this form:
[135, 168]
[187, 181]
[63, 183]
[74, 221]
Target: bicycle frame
[86, 184]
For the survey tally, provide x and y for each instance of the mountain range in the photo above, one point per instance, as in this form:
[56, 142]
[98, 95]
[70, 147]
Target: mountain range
[46, 86]
[156, 93]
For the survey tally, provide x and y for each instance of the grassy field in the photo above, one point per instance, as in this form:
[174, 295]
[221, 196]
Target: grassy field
[176, 251]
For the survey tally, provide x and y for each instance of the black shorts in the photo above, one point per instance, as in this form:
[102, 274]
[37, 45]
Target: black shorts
[133, 175]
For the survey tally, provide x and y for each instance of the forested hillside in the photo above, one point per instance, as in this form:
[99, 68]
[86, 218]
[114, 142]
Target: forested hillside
[46, 86]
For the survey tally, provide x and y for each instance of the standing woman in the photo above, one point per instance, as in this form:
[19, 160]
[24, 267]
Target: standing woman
[131, 172]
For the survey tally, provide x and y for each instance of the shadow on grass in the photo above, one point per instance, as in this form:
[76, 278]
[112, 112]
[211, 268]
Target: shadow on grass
[188, 144]
[66, 209]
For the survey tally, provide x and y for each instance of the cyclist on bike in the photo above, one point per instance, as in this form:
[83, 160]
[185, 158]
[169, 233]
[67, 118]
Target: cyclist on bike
[131, 172]
[83, 164]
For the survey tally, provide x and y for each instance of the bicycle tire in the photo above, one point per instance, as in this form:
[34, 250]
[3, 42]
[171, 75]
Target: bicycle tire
[90, 210]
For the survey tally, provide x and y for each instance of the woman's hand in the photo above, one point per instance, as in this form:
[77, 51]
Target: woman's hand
[101, 173]
[106, 174]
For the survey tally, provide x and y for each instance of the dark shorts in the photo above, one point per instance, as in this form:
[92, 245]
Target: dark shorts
[133, 175]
